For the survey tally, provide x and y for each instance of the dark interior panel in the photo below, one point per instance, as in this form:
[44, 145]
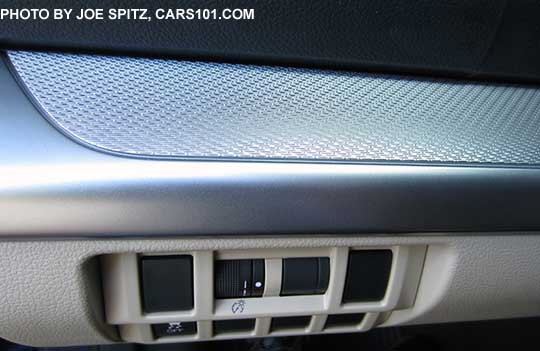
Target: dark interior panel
[479, 38]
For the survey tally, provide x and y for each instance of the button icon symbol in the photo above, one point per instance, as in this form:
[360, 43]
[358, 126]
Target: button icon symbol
[174, 328]
[238, 306]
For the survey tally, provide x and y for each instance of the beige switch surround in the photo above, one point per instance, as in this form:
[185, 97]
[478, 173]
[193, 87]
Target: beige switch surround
[123, 300]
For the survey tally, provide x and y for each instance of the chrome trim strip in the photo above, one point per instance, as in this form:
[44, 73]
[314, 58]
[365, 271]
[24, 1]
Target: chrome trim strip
[183, 110]
[51, 186]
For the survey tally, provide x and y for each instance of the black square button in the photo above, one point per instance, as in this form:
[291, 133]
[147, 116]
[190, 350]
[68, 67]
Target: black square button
[174, 329]
[344, 320]
[234, 325]
[167, 283]
[368, 272]
[296, 322]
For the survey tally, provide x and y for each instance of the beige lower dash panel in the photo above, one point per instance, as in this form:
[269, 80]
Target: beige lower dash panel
[51, 292]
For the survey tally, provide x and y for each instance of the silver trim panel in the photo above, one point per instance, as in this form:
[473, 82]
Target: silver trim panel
[154, 108]
[51, 186]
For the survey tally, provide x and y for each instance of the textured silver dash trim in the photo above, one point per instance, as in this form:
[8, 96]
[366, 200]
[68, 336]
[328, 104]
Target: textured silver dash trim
[168, 108]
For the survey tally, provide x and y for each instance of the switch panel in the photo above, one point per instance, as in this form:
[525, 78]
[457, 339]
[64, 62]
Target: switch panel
[239, 278]
[367, 275]
[208, 294]
[167, 283]
[305, 276]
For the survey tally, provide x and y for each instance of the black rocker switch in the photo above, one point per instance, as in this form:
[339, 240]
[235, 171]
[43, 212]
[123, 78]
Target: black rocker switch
[239, 278]
[367, 275]
[234, 325]
[305, 276]
[167, 283]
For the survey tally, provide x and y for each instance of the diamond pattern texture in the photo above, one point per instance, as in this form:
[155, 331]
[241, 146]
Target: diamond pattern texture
[170, 108]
